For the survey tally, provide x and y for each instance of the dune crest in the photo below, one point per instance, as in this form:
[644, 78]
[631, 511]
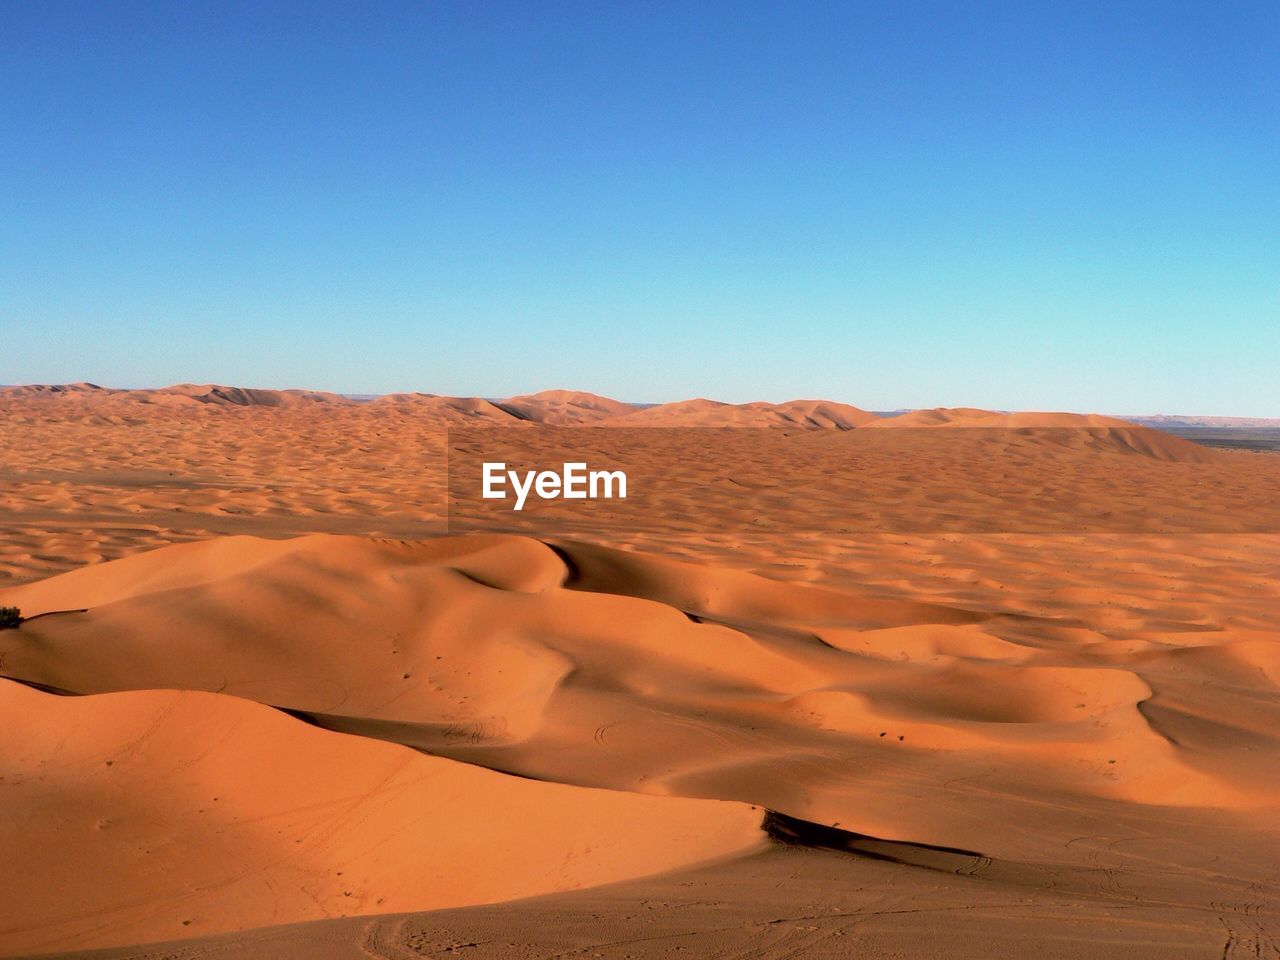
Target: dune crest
[472, 411]
[551, 407]
[101, 406]
[807, 414]
[565, 407]
[1079, 431]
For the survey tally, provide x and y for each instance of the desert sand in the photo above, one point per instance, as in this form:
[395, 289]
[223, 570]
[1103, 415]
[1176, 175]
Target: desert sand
[846, 686]
[212, 813]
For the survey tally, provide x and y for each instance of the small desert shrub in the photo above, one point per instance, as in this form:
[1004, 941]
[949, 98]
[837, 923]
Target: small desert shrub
[10, 617]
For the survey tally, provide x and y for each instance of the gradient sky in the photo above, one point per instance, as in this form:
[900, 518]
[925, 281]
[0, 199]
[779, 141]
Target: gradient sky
[1024, 205]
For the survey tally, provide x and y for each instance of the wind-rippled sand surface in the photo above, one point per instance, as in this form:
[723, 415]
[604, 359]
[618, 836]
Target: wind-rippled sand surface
[1006, 686]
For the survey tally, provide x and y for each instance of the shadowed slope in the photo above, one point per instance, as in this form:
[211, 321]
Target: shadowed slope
[827, 903]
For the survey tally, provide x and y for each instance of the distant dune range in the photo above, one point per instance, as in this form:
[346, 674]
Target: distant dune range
[1005, 690]
[565, 407]
[92, 473]
[555, 407]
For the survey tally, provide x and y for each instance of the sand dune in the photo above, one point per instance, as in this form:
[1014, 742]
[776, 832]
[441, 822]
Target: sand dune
[1073, 428]
[89, 474]
[244, 397]
[936, 417]
[824, 413]
[106, 399]
[565, 407]
[92, 404]
[972, 418]
[445, 411]
[711, 413]
[553, 407]
[591, 666]
[147, 816]
[1010, 685]
[825, 903]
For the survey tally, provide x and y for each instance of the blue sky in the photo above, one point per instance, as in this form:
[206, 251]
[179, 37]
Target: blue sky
[1023, 205]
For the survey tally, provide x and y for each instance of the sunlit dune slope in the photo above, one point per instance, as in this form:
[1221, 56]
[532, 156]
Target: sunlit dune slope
[1066, 429]
[444, 411]
[135, 817]
[565, 407]
[598, 667]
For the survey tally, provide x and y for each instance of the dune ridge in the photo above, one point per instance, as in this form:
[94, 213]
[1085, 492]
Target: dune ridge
[90, 473]
[565, 407]
[552, 407]
[90, 404]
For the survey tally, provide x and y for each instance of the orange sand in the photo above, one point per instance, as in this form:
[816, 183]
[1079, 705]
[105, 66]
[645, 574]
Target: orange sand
[1026, 734]
[209, 813]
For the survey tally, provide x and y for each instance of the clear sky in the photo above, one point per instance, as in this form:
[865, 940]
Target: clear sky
[1023, 205]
